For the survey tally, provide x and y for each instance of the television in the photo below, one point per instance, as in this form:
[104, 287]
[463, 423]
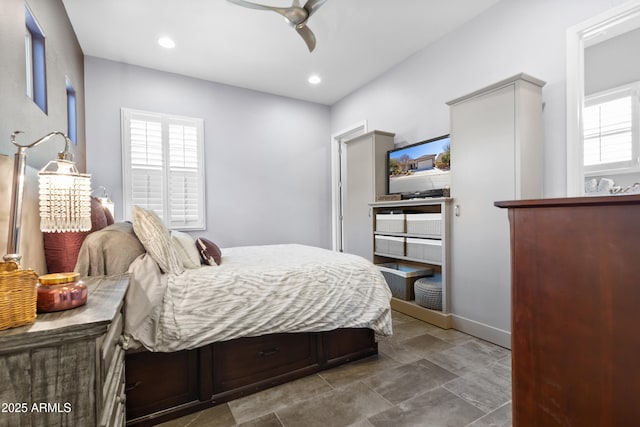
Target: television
[421, 169]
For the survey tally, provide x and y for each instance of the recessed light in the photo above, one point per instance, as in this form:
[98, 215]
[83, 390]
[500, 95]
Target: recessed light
[166, 42]
[314, 79]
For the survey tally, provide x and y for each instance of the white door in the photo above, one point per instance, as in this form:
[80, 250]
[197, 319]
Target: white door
[357, 193]
[482, 172]
[338, 168]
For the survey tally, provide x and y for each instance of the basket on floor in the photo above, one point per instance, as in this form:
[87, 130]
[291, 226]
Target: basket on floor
[18, 295]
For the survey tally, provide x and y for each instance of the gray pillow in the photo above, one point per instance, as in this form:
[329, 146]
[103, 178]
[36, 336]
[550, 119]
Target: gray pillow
[156, 240]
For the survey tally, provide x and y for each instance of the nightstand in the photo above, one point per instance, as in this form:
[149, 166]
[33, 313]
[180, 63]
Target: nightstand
[67, 368]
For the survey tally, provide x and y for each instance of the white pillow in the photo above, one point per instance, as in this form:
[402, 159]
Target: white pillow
[156, 239]
[186, 248]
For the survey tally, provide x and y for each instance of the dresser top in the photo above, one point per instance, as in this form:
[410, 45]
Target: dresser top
[571, 201]
[104, 300]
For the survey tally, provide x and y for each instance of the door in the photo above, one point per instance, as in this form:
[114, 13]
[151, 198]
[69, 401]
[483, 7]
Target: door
[338, 168]
[357, 192]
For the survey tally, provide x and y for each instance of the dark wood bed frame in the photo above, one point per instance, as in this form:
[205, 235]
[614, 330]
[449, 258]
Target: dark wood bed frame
[164, 386]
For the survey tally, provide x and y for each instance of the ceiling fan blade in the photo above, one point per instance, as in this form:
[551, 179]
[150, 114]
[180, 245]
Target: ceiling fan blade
[252, 5]
[295, 15]
[307, 36]
[313, 5]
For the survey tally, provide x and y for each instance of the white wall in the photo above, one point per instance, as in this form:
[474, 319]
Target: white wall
[267, 158]
[513, 36]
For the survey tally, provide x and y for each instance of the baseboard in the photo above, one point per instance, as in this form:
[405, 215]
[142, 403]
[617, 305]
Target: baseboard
[488, 333]
[412, 309]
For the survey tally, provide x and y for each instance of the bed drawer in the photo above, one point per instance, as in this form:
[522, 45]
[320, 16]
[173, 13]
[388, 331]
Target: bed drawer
[248, 361]
[156, 381]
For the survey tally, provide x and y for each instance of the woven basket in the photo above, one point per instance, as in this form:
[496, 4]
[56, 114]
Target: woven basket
[18, 295]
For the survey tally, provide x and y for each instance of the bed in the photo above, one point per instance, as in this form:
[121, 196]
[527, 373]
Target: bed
[266, 315]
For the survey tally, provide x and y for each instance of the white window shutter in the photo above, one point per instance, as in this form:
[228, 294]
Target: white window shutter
[164, 167]
[184, 182]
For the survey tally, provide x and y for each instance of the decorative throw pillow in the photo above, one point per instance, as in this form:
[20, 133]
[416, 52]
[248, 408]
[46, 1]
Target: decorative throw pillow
[156, 239]
[186, 249]
[209, 252]
[61, 249]
[108, 216]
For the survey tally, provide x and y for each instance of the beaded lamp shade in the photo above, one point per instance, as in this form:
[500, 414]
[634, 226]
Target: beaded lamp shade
[65, 203]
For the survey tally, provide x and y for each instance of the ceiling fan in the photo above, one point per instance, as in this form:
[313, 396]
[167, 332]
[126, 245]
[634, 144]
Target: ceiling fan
[296, 15]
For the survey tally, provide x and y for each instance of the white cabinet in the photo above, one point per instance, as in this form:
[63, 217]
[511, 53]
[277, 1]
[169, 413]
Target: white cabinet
[417, 236]
[363, 177]
[496, 152]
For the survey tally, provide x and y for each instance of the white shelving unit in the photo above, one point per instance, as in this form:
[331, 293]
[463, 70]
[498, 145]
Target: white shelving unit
[440, 206]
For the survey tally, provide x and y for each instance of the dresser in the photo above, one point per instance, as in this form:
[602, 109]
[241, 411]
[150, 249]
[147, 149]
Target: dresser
[575, 311]
[67, 368]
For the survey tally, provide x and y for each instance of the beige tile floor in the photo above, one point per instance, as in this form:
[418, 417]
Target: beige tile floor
[424, 376]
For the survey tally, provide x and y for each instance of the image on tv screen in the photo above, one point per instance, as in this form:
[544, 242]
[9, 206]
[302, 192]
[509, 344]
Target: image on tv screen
[420, 167]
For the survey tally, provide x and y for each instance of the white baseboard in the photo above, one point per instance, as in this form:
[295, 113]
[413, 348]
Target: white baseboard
[488, 333]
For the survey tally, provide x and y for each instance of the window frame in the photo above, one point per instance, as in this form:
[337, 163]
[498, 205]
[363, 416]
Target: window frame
[127, 114]
[35, 61]
[625, 166]
[72, 112]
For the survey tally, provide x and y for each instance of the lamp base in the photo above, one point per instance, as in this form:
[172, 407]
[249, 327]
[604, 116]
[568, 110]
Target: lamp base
[12, 257]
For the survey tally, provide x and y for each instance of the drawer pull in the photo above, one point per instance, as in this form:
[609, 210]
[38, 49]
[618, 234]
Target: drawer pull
[269, 352]
[132, 387]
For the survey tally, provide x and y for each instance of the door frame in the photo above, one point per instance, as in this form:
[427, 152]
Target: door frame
[337, 169]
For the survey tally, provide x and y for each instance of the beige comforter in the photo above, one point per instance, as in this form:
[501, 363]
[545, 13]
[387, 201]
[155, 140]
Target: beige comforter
[256, 290]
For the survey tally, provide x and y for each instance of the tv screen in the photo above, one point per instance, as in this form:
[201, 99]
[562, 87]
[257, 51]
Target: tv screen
[420, 169]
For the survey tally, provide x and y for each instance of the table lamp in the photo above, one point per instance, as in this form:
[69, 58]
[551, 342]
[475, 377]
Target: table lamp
[106, 201]
[65, 205]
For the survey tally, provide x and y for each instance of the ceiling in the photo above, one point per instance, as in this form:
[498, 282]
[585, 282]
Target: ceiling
[357, 40]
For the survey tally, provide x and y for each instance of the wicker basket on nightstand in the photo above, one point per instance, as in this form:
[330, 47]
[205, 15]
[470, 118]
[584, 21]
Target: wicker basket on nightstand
[18, 295]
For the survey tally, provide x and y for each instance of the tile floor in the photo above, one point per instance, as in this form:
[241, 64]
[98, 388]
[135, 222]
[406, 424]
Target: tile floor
[423, 376]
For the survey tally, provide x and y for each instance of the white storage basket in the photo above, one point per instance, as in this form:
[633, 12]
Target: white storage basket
[426, 224]
[390, 223]
[389, 245]
[424, 249]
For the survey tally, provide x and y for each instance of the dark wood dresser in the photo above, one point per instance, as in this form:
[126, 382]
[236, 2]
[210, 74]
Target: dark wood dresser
[575, 311]
[67, 368]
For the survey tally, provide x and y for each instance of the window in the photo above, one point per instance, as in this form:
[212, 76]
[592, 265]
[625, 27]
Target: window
[71, 113]
[36, 76]
[163, 167]
[611, 132]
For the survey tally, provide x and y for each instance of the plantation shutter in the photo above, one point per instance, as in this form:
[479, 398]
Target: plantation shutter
[146, 165]
[184, 183]
[163, 167]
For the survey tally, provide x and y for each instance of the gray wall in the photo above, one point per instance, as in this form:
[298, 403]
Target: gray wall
[513, 36]
[267, 158]
[64, 58]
